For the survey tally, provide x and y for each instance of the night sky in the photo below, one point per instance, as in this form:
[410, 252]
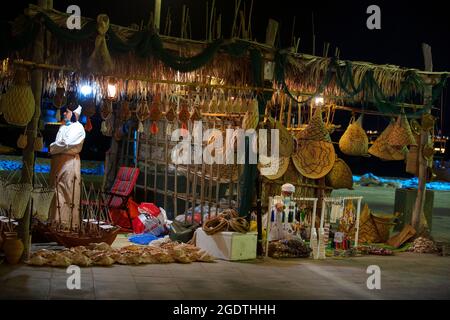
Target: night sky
[405, 25]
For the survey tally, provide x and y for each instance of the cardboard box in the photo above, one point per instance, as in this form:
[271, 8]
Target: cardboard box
[232, 246]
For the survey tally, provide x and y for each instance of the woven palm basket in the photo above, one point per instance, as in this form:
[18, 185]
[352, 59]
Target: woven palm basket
[367, 230]
[316, 129]
[383, 150]
[354, 141]
[282, 165]
[314, 159]
[18, 104]
[340, 176]
[401, 134]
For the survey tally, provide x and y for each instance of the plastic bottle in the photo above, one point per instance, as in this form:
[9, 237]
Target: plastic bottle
[313, 243]
[321, 245]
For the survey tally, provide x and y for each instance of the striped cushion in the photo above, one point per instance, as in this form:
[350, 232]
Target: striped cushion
[123, 185]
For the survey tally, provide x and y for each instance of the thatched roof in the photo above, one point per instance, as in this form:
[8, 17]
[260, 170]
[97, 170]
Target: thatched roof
[302, 73]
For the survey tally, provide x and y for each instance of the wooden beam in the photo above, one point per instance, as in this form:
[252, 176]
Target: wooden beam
[418, 220]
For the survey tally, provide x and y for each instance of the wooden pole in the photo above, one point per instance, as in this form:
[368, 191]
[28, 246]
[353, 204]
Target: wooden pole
[157, 18]
[28, 156]
[418, 213]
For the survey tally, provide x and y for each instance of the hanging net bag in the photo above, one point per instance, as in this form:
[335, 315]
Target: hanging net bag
[18, 195]
[42, 199]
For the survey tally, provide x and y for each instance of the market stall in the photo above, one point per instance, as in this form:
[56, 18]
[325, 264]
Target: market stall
[153, 91]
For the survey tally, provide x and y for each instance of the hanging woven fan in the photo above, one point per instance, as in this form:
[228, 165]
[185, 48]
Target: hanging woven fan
[106, 109]
[184, 116]
[354, 141]
[142, 114]
[171, 117]
[155, 115]
[89, 111]
[60, 99]
[18, 104]
[251, 117]
[124, 112]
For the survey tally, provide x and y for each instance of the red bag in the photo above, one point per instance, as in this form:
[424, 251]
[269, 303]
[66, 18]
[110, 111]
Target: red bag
[150, 208]
[120, 217]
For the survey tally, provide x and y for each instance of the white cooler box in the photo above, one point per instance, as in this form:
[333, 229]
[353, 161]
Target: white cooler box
[226, 245]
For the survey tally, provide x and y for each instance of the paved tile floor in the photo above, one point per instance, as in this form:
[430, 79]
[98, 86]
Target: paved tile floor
[403, 276]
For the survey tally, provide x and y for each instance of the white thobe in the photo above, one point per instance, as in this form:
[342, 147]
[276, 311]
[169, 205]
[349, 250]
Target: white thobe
[65, 175]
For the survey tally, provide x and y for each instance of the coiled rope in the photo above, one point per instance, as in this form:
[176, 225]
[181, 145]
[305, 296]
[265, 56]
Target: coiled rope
[228, 220]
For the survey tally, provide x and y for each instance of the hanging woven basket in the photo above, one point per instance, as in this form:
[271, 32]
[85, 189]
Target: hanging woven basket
[22, 141]
[340, 176]
[383, 150]
[354, 141]
[39, 142]
[18, 104]
[401, 134]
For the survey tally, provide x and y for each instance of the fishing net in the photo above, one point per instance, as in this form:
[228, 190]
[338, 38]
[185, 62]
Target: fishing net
[17, 197]
[42, 199]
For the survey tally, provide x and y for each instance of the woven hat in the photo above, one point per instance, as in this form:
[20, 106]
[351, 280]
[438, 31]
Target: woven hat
[401, 134]
[383, 150]
[314, 159]
[354, 141]
[316, 129]
[266, 162]
[340, 176]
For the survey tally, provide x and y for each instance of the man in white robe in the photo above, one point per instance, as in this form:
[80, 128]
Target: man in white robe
[65, 173]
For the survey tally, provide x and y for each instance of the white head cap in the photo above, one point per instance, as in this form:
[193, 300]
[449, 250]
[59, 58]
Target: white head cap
[78, 110]
[287, 187]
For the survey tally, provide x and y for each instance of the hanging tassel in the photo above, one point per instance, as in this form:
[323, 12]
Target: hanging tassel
[184, 126]
[154, 128]
[140, 127]
[169, 129]
[100, 60]
[88, 126]
[103, 128]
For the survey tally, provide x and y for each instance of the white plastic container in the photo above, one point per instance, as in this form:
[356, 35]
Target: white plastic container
[232, 246]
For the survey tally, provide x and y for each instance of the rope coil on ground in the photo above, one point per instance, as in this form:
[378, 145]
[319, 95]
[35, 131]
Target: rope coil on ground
[228, 220]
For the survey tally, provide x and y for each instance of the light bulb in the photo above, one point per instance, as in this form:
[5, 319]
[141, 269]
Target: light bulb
[86, 90]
